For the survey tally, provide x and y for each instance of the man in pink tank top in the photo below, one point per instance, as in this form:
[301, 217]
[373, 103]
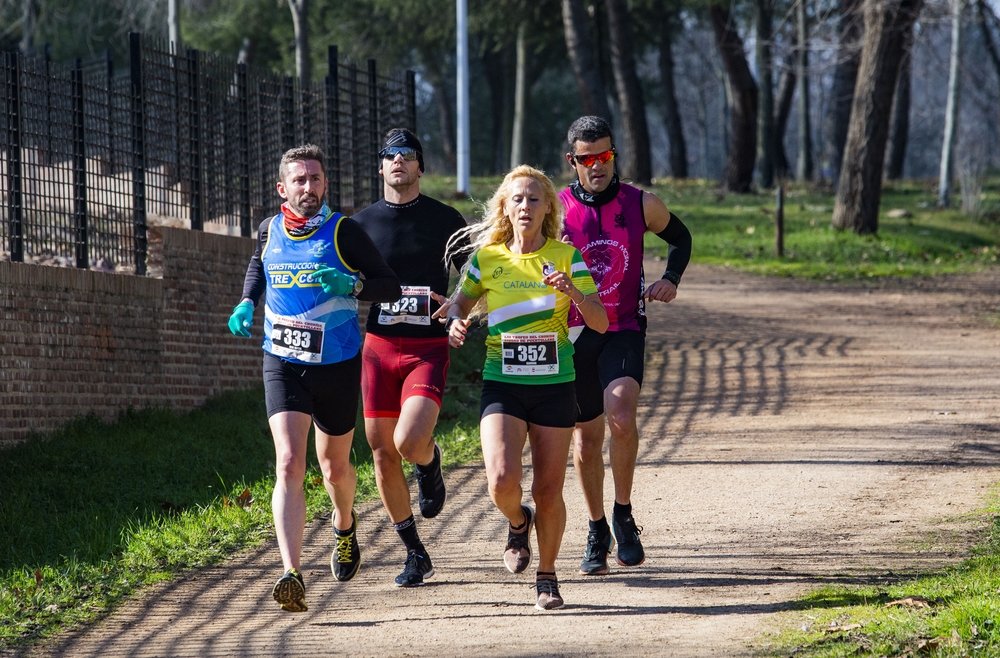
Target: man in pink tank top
[607, 220]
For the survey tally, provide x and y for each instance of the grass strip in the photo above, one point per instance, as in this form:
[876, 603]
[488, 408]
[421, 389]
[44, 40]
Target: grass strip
[95, 511]
[951, 612]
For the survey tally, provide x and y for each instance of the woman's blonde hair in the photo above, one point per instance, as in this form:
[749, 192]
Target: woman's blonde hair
[495, 226]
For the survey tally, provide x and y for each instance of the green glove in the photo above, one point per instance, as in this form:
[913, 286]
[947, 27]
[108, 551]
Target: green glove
[241, 319]
[334, 281]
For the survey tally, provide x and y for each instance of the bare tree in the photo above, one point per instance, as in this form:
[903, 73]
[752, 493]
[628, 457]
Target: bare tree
[899, 123]
[738, 175]
[300, 22]
[637, 161]
[804, 165]
[945, 180]
[174, 25]
[782, 108]
[765, 75]
[29, 23]
[593, 94]
[860, 188]
[849, 32]
[671, 111]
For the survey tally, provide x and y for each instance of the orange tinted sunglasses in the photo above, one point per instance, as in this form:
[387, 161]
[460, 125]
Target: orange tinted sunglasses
[589, 159]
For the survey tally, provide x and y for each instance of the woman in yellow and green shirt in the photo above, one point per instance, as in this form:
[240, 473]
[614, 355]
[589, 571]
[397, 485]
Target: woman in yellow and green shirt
[528, 279]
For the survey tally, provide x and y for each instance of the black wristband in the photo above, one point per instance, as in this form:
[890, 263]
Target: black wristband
[672, 277]
[447, 324]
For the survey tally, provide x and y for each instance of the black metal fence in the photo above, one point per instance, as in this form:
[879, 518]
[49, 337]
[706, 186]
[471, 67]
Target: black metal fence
[91, 155]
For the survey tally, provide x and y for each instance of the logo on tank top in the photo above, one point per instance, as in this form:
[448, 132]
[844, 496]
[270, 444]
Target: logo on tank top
[319, 249]
[607, 261]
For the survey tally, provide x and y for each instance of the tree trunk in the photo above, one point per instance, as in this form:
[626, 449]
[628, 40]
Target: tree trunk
[951, 109]
[782, 108]
[765, 117]
[804, 165]
[520, 99]
[174, 25]
[860, 187]
[29, 23]
[300, 22]
[838, 117]
[446, 120]
[497, 62]
[637, 163]
[671, 112]
[738, 175]
[586, 68]
[899, 124]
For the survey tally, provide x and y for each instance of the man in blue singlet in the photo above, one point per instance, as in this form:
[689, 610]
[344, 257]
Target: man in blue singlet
[310, 260]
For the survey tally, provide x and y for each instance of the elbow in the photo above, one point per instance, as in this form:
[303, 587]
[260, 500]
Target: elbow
[600, 323]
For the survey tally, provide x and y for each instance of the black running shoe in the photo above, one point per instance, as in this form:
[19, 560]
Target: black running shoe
[430, 486]
[517, 553]
[595, 560]
[630, 553]
[417, 568]
[548, 594]
[346, 558]
[290, 592]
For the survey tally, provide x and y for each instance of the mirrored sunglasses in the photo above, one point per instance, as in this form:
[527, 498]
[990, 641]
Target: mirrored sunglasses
[589, 159]
[390, 152]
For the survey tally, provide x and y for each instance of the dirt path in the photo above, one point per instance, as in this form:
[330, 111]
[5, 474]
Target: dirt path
[792, 433]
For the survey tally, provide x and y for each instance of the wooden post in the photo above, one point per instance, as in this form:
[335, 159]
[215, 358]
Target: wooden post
[779, 222]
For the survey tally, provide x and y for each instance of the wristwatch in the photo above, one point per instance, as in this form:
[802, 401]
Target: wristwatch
[672, 277]
[358, 287]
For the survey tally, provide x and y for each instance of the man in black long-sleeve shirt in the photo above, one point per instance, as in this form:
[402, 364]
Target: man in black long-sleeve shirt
[310, 261]
[406, 355]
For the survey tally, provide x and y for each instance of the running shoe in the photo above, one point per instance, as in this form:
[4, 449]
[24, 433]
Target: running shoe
[548, 594]
[346, 558]
[290, 592]
[430, 486]
[595, 560]
[517, 554]
[417, 568]
[630, 553]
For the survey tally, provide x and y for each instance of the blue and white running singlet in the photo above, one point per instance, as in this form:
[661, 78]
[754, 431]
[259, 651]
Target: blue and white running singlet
[303, 324]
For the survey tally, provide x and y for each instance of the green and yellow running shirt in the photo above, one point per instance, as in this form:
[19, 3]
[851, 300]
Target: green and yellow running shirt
[528, 341]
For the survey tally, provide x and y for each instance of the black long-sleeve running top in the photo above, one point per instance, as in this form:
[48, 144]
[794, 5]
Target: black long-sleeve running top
[359, 252]
[412, 238]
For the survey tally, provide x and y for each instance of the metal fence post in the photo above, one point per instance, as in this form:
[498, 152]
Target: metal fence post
[246, 225]
[355, 131]
[79, 169]
[374, 127]
[47, 155]
[411, 100]
[333, 127]
[194, 139]
[288, 114]
[110, 72]
[779, 222]
[138, 152]
[15, 228]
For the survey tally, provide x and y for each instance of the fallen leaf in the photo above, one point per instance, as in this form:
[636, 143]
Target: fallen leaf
[911, 601]
[52, 608]
[843, 627]
[38, 577]
[245, 500]
[225, 502]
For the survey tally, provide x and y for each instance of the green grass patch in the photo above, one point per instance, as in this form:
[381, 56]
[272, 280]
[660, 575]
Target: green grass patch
[953, 612]
[95, 511]
[738, 230]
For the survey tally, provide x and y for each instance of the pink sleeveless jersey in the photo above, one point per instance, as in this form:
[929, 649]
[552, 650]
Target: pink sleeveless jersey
[610, 239]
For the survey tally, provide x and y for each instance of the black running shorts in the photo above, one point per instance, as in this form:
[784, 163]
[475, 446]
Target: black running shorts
[600, 359]
[328, 393]
[548, 405]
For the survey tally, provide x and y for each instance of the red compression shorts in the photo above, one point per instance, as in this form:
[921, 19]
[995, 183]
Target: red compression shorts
[396, 368]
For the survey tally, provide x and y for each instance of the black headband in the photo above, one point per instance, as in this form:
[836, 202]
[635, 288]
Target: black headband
[407, 139]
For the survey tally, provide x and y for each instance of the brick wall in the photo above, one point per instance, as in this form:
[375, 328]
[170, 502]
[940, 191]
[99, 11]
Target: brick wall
[76, 341]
